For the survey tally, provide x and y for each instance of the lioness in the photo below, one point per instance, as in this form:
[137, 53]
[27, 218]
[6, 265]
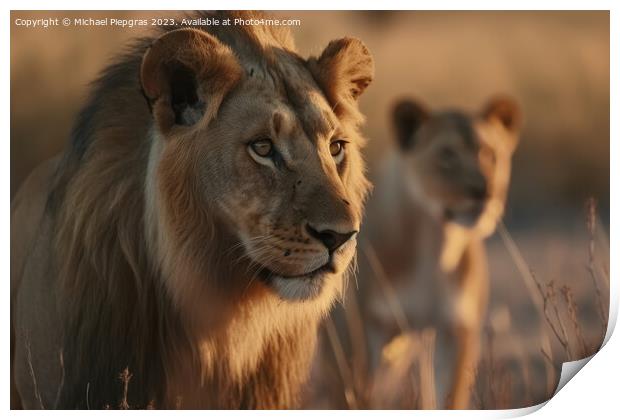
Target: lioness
[197, 227]
[437, 196]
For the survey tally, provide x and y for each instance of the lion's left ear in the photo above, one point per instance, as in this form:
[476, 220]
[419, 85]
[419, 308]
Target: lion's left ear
[344, 70]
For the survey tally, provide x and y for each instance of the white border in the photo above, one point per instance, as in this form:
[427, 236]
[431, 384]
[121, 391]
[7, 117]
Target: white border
[592, 394]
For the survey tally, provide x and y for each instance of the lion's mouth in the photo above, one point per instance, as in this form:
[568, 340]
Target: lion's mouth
[267, 274]
[300, 287]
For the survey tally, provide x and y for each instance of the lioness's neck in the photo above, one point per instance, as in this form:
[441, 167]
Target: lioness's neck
[413, 222]
[456, 240]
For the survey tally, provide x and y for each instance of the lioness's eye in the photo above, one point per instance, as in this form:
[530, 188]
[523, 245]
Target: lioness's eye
[263, 147]
[336, 149]
[448, 158]
[448, 154]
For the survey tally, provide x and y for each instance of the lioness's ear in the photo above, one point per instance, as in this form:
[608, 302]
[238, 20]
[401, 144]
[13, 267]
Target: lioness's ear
[185, 75]
[344, 70]
[506, 111]
[407, 118]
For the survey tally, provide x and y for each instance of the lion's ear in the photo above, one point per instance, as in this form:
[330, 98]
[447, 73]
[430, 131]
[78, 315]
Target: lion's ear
[185, 75]
[407, 118]
[506, 111]
[344, 70]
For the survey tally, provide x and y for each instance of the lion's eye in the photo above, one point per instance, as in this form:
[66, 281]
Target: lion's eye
[336, 149]
[262, 147]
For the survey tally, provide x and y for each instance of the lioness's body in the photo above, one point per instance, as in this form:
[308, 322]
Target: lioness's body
[443, 192]
[452, 302]
[422, 262]
[161, 243]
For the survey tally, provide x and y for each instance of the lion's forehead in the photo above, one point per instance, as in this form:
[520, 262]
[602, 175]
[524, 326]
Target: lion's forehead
[308, 111]
[263, 111]
[308, 127]
[289, 89]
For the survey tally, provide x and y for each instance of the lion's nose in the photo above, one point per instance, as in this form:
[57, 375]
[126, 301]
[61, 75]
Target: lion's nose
[330, 238]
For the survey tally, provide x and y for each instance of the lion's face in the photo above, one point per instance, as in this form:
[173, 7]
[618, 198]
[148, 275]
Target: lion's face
[277, 166]
[459, 166]
[284, 181]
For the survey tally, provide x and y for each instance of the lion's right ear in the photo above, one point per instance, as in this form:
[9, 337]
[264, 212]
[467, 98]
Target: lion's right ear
[407, 118]
[185, 75]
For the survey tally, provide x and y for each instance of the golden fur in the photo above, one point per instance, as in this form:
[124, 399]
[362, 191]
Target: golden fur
[437, 196]
[162, 246]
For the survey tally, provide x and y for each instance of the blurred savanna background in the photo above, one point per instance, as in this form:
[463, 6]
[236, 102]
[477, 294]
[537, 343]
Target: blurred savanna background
[549, 266]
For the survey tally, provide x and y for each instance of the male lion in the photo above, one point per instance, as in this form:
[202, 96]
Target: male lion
[196, 229]
[437, 196]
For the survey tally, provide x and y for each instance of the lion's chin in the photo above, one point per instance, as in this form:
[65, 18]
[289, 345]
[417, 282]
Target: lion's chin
[299, 288]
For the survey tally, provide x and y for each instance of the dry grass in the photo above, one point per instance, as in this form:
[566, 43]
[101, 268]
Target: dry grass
[125, 377]
[343, 366]
[31, 370]
[603, 309]
[405, 378]
[62, 378]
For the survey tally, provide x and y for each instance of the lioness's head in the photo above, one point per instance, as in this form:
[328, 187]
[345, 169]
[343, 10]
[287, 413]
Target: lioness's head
[459, 164]
[265, 145]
